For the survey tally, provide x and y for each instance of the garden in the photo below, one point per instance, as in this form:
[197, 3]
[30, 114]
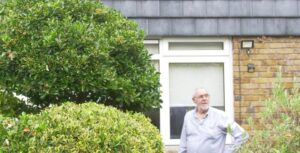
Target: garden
[87, 78]
[278, 129]
[85, 75]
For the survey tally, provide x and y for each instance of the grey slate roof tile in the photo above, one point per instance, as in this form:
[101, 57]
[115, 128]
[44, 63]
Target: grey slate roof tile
[107, 2]
[194, 8]
[206, 26]
[183, 27]
[159, 27]
[143, 24]
[274, 26]
[240, 8]
[252, 26]
[298, 10]
[148, 8]
[170, 8]
[128, 8]
[212, 17]
[217, 8]
[262, 8]
[229, 26]
[286, 8]
[293, 26]
[221, 26]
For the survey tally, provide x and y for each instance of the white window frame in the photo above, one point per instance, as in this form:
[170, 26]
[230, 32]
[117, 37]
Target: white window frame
[166, 57]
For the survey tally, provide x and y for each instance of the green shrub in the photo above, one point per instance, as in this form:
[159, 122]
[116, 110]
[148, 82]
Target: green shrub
[75, 50]
[9, 105]
[87, 127]
[280, 125]
[12, 106]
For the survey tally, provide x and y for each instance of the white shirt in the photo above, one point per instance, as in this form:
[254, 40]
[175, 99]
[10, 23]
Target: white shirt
[207, 135]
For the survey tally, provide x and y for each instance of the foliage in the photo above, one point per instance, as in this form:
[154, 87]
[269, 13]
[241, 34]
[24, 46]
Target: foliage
[87, 127]
[12, 106]
[9, 105]
[280, 125]
[74, 50]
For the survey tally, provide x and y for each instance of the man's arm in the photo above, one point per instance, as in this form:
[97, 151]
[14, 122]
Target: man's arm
[182, 147]
[239, 134]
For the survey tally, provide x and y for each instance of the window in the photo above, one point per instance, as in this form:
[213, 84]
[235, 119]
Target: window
[186, 64]
[153, 48]
[196, 46]
[183, 79]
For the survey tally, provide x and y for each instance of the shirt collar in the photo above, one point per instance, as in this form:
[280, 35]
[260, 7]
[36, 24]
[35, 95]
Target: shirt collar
[207, 114]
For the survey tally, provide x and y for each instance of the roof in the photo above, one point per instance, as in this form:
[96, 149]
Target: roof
[212, 17]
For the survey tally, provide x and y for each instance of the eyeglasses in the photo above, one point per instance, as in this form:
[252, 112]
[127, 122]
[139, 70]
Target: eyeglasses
[202, 96]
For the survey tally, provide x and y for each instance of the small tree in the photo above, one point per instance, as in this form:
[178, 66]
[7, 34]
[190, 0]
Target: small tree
[280, 125]
[74, 50]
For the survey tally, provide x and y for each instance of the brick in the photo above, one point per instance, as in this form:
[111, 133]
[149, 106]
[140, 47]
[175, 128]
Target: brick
[242, 68]
[258, 103]
[252, 98]
[242, 80]
[245, 62]
[267, 74]
[249, 103]
[293, 68]
[260, 45]
[292, 56]
[274, 62]
[255, 91]
[276, 51]
[250, 75]
[249, 86]
[246, 116]
[247, 109]
[241, 57]
[288, 85]
[283, 45]
[259, 109]
[267, 80]
[293, 62]
[270, 55]
[236, 45]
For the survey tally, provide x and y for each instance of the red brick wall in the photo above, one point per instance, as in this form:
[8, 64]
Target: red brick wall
[268, 55]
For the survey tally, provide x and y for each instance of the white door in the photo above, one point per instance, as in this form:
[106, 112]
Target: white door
[186, 64]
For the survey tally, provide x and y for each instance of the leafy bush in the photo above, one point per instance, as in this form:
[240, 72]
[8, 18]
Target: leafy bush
[87, 127]
[11, 106]
[74, 50]
[280, 125]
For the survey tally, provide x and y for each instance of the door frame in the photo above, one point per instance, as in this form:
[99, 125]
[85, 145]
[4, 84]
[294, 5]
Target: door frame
[165, 57]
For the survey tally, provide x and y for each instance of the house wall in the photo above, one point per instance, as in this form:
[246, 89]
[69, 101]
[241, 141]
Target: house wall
[268, 55]
[272, 24]
[212, 17]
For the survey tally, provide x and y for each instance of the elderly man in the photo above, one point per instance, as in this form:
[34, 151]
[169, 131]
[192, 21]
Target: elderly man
[204, 129]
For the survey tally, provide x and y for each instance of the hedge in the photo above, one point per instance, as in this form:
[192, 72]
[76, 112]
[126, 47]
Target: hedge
[87, 127]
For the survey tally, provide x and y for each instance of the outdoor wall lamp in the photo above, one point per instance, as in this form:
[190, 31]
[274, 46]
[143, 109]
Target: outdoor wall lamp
[248, 45]
[250, 68]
